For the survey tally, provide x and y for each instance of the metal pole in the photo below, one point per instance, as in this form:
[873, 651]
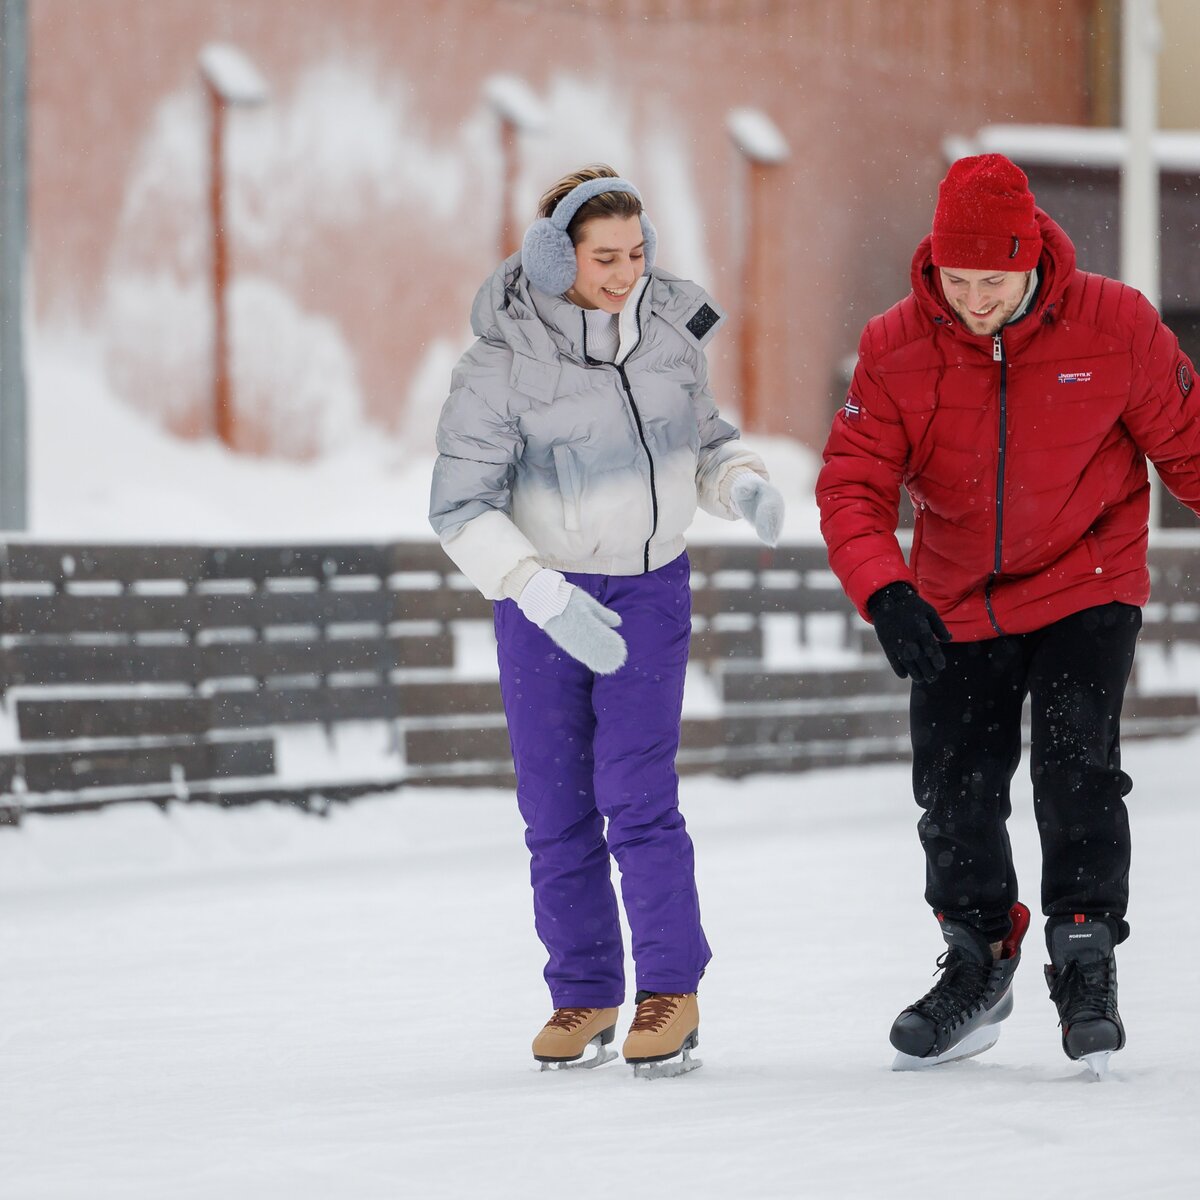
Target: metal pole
[752, 295]
[223, 421]
[762, 146]
[509, 238]
[13, 231]
[1140, 221]
[229, 78]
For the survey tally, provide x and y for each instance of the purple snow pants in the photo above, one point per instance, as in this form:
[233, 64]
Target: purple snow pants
[590, 748]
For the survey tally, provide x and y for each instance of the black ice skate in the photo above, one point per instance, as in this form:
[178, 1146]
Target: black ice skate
[1082, 977]
[960, 1016]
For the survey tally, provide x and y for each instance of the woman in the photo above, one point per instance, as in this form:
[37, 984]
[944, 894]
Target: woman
[577, 438]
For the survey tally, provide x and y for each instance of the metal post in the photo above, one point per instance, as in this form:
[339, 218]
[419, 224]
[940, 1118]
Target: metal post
[508, 186]
[1140, 221]
[1141, 38]
[517, 111]
[752, 294]
[223, 423]
[13, 232]
[763, 148]
[230, 79]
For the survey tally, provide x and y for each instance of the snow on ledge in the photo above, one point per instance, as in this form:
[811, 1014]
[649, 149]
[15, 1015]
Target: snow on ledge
[1074, 145]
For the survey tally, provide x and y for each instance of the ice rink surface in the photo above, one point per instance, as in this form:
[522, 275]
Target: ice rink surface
[262, 1003]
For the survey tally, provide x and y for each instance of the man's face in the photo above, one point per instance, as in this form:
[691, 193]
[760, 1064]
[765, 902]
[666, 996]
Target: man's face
[983, 300]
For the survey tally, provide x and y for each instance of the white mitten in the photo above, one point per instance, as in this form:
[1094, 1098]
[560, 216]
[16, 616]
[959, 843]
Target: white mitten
[581, 625]
[761, 503]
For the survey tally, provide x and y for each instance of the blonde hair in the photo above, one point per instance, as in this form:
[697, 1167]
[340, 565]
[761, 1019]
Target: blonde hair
[607, 204]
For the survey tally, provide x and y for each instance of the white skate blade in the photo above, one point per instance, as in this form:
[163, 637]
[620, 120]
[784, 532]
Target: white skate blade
[669, 1067]
[586, 1062]
[976, 1042]
[1097, 1063]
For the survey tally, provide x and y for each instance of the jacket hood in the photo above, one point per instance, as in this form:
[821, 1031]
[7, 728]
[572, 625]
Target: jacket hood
[1055, 270]
[504, 312]
[509, 310]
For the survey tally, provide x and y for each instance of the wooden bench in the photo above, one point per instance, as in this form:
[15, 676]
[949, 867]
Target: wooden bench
[170, 673]
[831, 710]
[162, 672]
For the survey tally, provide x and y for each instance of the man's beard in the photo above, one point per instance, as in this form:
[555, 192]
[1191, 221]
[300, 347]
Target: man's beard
[990, 325]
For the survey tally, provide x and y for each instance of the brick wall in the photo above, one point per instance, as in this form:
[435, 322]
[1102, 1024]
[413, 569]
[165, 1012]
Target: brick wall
[368, 190]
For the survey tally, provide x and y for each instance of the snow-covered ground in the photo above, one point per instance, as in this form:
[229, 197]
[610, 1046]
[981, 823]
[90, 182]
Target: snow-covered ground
[260, 1003]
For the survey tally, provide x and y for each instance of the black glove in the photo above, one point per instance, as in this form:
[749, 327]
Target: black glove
[909, 630]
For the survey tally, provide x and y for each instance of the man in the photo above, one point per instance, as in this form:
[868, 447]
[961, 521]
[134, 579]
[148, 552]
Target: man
[1017, 400]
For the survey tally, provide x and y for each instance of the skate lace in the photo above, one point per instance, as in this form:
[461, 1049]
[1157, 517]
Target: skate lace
[1084, 990]
[654, 1012]
[569, 1018]
[962, 987]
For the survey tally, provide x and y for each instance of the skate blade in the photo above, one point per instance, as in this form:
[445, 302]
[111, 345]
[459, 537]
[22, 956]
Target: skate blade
[976, 1042]
[668, 1068]
[603, 1054]
[1097, 1064]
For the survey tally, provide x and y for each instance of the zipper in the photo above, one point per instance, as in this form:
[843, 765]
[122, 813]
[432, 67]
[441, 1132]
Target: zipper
[637, 420]
[637, 416]
[999, 356]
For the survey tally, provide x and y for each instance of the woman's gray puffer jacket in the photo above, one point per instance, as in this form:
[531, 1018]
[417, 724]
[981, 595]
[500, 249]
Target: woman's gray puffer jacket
[549, 458]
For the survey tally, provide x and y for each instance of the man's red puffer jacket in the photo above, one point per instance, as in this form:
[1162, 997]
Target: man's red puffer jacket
[1025, 456]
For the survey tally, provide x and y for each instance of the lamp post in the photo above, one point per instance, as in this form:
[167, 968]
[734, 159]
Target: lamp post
[230, 79]
[518, 111]
[763, 147]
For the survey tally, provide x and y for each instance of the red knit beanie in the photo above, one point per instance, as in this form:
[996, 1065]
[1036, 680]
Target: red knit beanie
[984, 219]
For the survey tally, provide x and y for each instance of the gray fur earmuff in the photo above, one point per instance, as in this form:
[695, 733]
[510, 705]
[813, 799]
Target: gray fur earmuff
[547, 253]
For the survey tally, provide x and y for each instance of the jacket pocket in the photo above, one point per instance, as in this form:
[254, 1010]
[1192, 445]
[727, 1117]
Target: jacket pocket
[1095, 555]
[918, 537]
[567, 470]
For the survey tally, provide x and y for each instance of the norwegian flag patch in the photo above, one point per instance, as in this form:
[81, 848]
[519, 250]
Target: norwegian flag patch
[852, 409]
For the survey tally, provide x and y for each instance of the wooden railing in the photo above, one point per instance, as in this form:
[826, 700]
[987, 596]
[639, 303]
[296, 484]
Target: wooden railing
[169, 673]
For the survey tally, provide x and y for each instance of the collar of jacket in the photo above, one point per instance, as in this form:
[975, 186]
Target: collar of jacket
[545, 329]
[568, 326]
[1055, 269]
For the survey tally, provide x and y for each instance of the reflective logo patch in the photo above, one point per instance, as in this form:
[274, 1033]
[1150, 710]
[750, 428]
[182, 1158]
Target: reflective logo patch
[1184, 377]
[1074, 377]
[702, 321]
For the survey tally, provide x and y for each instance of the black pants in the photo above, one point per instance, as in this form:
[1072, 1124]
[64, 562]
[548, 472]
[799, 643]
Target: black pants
[966, 737]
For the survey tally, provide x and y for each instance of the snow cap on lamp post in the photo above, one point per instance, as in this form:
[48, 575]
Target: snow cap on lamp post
[756, 135]
[234, 78]
[513, 100]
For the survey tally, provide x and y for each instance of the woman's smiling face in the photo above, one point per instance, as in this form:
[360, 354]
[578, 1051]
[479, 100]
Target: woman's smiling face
[610, 258]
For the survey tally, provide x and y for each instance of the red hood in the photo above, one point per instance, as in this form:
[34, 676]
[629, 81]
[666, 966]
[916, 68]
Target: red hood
[1055, 269]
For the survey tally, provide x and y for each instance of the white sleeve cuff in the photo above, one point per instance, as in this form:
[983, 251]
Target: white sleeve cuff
[716, 477]
[544, 596]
